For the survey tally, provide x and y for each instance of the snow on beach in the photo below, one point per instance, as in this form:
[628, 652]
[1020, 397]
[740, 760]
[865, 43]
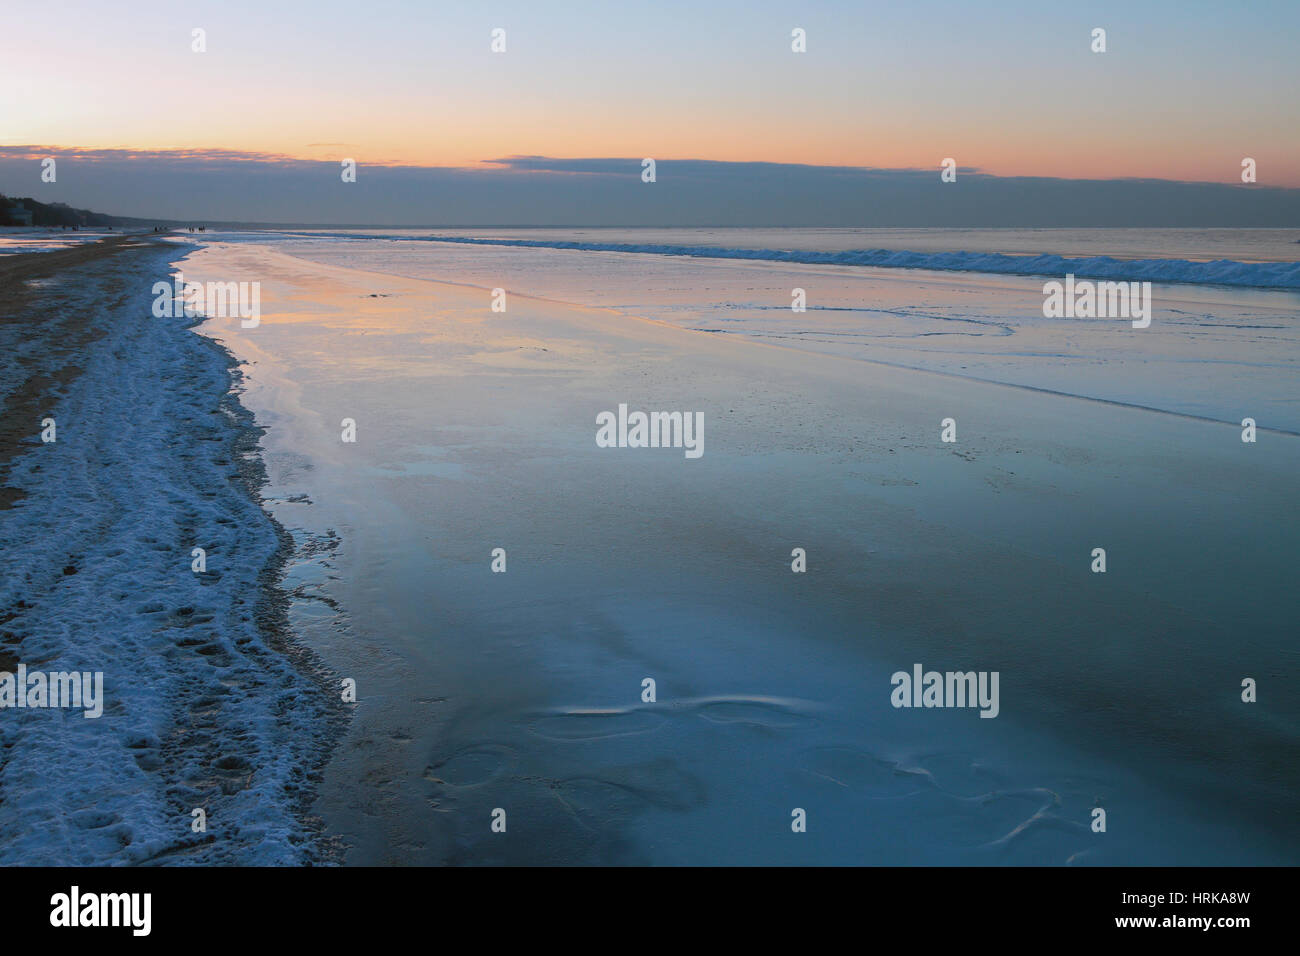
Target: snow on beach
[20, 239]
[153, 457]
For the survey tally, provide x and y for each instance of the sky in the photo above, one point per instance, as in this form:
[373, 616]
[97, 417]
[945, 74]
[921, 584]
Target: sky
[1012, 91]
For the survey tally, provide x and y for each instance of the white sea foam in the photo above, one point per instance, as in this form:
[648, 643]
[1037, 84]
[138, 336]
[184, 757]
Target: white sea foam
[1228, 272]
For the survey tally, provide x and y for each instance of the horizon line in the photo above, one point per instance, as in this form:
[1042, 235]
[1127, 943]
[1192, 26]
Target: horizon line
[514, 163]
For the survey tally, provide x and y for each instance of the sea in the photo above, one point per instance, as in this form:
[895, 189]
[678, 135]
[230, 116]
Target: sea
[504, 718]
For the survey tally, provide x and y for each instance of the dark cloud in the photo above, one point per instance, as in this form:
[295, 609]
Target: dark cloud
[230, 185]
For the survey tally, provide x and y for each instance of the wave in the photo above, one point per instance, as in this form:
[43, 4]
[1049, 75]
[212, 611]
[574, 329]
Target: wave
[1228, 272]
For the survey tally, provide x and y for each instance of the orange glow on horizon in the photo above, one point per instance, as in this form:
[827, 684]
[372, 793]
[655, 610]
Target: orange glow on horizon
[1051, 161]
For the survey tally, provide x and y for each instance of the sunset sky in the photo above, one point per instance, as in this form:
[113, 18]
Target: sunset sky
[1184, 92]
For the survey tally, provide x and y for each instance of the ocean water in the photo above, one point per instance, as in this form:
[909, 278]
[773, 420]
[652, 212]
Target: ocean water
[521, 691]
[1212, 351]
[1193, 245]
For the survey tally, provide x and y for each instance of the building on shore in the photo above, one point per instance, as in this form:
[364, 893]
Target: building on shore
[20, 214]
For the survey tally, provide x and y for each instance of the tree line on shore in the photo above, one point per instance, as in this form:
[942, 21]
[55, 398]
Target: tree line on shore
[50, 214]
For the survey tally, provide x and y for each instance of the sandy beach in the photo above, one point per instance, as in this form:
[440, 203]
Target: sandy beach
[52, 364]
[127, 450]
[523, 691]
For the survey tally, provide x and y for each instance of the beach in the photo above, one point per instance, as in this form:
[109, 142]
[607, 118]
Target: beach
[523, 692]
[127, 450]
[442, 618]
[813, 437]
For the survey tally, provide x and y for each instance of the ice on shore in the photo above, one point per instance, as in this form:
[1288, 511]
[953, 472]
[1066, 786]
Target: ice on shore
[200, 712]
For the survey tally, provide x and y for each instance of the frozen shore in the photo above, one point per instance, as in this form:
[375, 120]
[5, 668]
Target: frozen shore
[208, 706]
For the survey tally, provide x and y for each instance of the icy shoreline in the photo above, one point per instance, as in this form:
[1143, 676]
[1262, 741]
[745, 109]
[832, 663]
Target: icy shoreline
[208, 704]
